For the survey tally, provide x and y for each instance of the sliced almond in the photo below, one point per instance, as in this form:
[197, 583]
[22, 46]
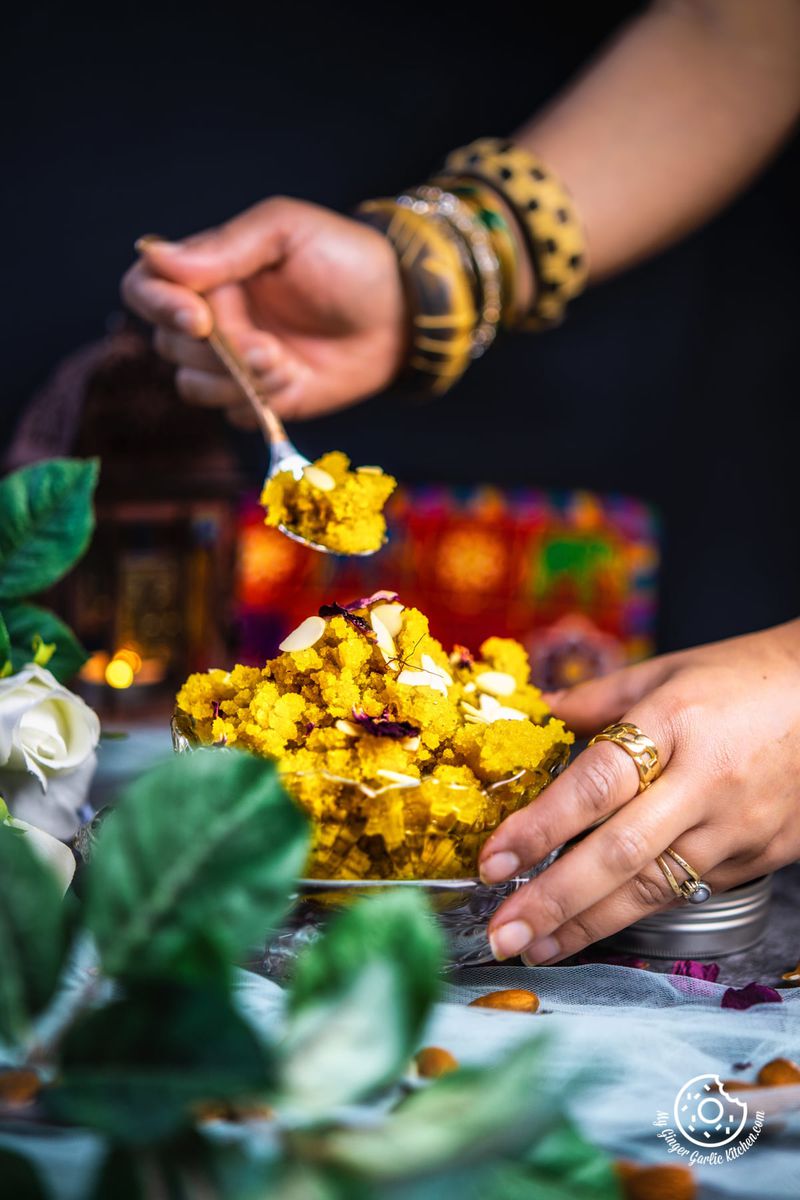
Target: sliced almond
[319, 478]
[347, 727]
[469, 688]
[369, 471]
[504, 713]
[399, 777]
[433, 668]
[391, 615]
[497, 683]
[411, 744]
[490, 710]
[306, 635]
[384, 639]
[411, 677]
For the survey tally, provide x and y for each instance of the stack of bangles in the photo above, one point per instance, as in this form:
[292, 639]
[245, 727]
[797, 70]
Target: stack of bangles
[464, 241]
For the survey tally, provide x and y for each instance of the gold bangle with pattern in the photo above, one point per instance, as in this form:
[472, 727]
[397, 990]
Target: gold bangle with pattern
[441, 300]
[478, 252]
[546, 215]
[486, 206]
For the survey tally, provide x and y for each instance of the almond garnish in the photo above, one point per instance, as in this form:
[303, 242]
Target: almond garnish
[512, 999]
[423, 677]
[391, 615]
[306, 635]
[433, 1061]
[497, 683]
[779, 1071]
[347, 727]
[385, 640]
[663, 1181]
[490, 710]
[319, 478]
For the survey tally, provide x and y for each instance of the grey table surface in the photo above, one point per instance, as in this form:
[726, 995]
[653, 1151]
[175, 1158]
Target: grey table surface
[777, 952]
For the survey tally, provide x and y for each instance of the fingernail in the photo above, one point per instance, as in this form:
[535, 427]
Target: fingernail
[509, 939]
[259, 359]
[186, 319]
[498, 867]
[147, 240]
[540, 951]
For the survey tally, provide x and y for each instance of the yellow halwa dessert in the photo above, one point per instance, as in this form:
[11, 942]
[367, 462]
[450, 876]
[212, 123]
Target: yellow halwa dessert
[331, 505]
[404, 757]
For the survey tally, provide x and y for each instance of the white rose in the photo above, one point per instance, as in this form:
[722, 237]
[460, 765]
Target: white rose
[48, 738]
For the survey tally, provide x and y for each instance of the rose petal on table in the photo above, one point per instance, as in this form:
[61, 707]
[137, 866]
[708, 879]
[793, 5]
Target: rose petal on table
[752, 993]
[696, 970]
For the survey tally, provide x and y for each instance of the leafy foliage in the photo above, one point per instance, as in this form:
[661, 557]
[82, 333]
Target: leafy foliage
[206, 845]
[358, 1001]
[5, 648]
[46, 521]
[135, 1068]
[26, 622]
[33, 934]
[19, 1177]
[196, 863]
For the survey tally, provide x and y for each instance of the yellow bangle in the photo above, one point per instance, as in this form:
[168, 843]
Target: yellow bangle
[440, 298]
[546, 214]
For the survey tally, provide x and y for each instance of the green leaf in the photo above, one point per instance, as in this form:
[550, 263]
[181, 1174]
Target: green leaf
[5, 644]
[470, 1116]
[19, 1178]
[359, 999]
[566, 1156]
[46, 522]
[206, 844]
[33, 934]
[135, 1069]
[26, 622]
[562, 1166]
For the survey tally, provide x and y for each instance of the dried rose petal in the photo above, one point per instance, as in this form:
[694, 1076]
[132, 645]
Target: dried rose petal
[460, 656]
[365, 601]
[696, 970]
[752, 993]
[384, 725]
[215, 708]
[359, 623]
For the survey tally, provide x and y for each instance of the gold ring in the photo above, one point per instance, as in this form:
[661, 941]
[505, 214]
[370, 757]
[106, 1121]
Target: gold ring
[693, 889]
[639, 746]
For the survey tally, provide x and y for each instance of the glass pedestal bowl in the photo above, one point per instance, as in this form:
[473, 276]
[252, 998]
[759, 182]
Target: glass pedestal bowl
[423, 834]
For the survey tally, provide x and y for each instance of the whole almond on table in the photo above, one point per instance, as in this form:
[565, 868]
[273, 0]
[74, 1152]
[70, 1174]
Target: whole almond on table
[511, 999]
[779, 1071]
[19, 1086]
[669, 1181]
[433, 1061]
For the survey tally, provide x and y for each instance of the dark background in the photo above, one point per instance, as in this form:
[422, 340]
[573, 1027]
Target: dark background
[675, 383]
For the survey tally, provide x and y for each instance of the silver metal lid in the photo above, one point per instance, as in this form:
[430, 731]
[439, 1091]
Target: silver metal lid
[725, 924]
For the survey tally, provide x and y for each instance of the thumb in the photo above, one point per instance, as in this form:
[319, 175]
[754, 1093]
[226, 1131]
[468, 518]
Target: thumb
[589, 707]
[229, 253]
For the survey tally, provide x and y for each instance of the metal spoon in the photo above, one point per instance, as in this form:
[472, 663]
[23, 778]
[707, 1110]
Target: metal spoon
[284, 455]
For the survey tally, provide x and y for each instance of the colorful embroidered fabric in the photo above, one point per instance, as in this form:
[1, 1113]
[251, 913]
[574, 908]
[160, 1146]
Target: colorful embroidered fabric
[571, 574]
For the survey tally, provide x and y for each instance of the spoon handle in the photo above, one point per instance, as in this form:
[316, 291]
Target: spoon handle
[271, 425]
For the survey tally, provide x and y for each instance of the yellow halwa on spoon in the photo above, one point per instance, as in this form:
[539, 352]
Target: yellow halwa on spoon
[330, 505]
